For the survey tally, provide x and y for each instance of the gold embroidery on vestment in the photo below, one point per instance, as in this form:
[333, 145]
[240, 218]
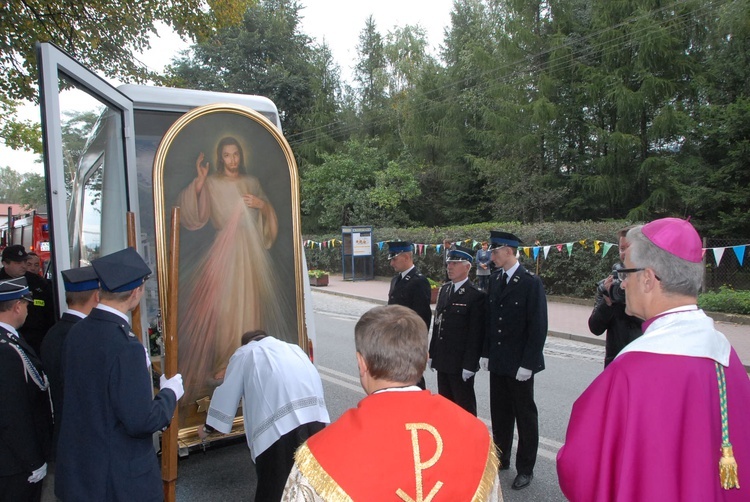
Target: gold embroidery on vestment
[420, 466]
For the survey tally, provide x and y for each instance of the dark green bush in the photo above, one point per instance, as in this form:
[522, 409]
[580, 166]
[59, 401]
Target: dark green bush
[562, 274]
[725, 300]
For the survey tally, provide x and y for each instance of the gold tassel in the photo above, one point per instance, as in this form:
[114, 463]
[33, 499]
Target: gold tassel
[728, 469]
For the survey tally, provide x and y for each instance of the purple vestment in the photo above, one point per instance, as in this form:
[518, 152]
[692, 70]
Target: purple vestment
[649, 429]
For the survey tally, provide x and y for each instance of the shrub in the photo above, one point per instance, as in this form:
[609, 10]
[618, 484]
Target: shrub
[562, 274]
[725, 300]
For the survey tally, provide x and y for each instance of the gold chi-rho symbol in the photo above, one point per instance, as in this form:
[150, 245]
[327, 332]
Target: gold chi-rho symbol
[419, 465]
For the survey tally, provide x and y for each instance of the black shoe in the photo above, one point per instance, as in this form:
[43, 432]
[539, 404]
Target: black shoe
[522, 481]
[504, 466]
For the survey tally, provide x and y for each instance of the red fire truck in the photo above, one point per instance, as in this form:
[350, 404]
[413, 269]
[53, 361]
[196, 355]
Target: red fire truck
[30, 230]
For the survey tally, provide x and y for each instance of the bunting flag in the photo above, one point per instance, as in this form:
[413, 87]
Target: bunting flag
[739, 251]
[718, 253]
[421, 248]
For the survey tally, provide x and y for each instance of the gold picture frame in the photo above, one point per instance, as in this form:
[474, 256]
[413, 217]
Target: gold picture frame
[240, 263]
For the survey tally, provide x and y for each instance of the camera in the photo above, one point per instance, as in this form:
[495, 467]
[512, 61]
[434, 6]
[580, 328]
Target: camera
[615, 292]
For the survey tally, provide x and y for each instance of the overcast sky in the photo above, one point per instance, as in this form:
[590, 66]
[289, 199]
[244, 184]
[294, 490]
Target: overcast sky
[338, 22]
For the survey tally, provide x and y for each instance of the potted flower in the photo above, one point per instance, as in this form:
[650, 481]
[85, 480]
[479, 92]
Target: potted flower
[318, 277]
[434, 290]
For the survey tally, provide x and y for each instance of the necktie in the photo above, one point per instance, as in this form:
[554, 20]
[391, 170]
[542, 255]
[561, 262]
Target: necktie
[503, 280]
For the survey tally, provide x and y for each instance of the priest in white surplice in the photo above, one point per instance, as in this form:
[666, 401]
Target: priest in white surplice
[282, 405]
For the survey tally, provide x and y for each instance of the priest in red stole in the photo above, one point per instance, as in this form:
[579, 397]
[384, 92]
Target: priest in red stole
[669, 418]
[401, 442]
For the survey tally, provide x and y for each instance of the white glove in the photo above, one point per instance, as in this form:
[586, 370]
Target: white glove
[466, 374]
[38, 474]
[484, 363]
[429, 364]
[148, 358]
[523, 374]
[174, 384]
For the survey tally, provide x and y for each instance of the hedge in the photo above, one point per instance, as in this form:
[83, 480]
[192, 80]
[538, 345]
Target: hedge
[563, 274]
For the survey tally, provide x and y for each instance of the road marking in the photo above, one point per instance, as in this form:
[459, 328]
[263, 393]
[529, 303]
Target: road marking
[342, 379]
[345, 376]
[341, 383]
[336, 315]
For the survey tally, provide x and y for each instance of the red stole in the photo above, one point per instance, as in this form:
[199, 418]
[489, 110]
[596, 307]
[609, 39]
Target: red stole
[411, 446]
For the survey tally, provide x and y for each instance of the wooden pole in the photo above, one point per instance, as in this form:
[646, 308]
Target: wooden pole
[169, 436]
[133, 242]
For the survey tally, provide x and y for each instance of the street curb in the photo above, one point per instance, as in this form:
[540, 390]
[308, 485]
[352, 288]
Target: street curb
[716, 316]
[578, 338]
[557, 334]
[350, 295]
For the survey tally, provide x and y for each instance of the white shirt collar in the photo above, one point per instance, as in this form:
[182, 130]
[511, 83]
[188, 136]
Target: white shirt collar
[457, 285]
[107, 308]
[403, 274]
[408, 388]
[512, 270]
[76, 313]
[10, 328]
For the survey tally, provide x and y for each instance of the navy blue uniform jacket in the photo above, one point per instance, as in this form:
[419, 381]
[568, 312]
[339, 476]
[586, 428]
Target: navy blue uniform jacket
[51, 355]
[517, 323]
[105, 451]
[458, 332]
[412, 291]
[25, 416]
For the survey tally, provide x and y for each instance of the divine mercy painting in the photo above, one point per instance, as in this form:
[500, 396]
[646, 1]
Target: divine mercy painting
[236, 187]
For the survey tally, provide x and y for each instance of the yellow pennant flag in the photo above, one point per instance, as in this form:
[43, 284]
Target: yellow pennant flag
[596, 246]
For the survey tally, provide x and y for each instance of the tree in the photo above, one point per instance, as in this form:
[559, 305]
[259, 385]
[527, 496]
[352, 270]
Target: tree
[10, 182]
[26, 189]
[321, 124]
[266, 54]
[76, 128]
[371, 77]
[18, 135]
[32, 191]
[102, 34]
[356, 186]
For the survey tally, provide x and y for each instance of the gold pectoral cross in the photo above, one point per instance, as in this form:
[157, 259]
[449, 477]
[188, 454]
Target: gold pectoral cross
[419, 465]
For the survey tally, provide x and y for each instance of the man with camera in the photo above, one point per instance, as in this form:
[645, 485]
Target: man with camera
[609, 310]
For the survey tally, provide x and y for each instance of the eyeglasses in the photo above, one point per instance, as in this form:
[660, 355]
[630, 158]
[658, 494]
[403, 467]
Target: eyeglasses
[622, 273]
